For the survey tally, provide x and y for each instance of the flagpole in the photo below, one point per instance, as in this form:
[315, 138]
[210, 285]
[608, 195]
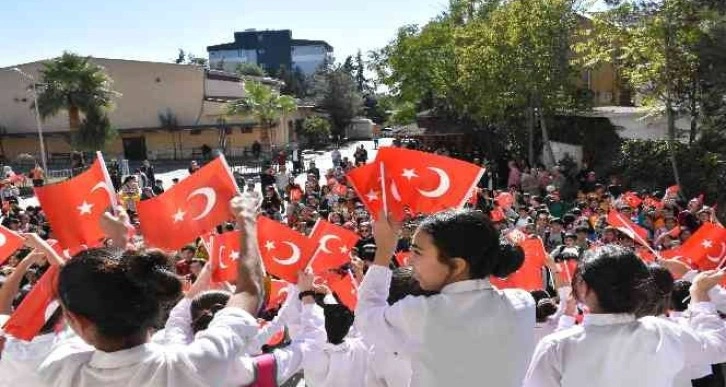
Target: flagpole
[384, 195]
[109, 183]
[637, 236]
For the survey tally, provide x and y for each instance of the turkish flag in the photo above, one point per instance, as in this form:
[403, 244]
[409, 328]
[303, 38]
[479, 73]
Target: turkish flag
[74, 207]
[626, 226]
[277, 338]
[224, 252]
[645, 254]
[334, 246]
[189, 209]
[296, 194]
[10, 242]
[706, 248]
[37, 307]
[68, 253]
[529, 276]
[402, 258]
[278, 294]
[567, 270]
[505, 200]
[632, 199]
[429, 183]
[346, 287]
[366, 182]
[284, 251]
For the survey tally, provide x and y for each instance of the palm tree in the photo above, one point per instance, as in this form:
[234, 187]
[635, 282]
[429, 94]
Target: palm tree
[169, 123]
[266, 105]
[74, 84]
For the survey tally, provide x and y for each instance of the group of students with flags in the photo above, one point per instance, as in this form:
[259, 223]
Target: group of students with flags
[272, 302]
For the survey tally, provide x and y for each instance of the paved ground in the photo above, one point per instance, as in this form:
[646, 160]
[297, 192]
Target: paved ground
[322, 160]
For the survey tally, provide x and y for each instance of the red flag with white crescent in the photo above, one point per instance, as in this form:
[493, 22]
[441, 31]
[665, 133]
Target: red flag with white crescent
[189, 209]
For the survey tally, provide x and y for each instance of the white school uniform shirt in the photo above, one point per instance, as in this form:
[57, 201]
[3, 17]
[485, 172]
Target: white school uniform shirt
[684, 377]
[618, 350]
[468, 330]
[20, 359]
[388, 369]
[200, 363]
[288, 360]
[333, 365]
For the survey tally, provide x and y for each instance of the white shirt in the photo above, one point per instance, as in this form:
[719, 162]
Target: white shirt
[288, 360]
[388, 369]
[328, 365]
[20, 359]
[618, 350]
[200, 363]
[468, 332]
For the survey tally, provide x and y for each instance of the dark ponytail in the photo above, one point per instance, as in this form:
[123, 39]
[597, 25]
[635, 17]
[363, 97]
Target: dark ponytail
[471, 236]
[205, 305]
[122, 294]
[545, 308]
[511, 258]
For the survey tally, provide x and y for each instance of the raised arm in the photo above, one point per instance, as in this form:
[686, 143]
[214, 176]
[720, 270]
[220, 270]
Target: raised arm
[12, 283]
[383, 325]
[250, 291]
[706, 344]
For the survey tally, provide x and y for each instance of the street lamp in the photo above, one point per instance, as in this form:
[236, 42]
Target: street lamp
[37, 115]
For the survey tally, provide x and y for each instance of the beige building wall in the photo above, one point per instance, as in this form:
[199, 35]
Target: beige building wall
[146, 89]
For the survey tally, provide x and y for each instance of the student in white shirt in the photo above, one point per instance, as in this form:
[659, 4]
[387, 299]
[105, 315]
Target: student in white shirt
[468, 334]
[334, 358]
[614, 347]
[112, 299]
[664, 287]
[20, 359]
[386, 367]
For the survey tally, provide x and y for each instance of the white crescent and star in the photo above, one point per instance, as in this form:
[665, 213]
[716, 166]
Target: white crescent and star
[442, 189]
[3, 239]
[719, 257]
[324, 242]
[221, 261]
[294, 257]
[211, 200]
[104, 186]
[372, 196]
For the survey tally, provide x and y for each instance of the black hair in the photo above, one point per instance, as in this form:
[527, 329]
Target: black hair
[539, 295]
[404, 284]
[679, 295]
[545, 308]
[338, 320]
[121, 293]
[620, 279]
[663, 281]
[205, 305]
[471, 236]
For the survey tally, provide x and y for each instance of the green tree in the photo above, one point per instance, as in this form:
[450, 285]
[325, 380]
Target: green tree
[403, 114]
[516, 61]
[657, 46]
[360, 77]
[266, 105]
[336, 92]
[169, 123]
[181, 57]
[95, 131]
[250, 69]
[316, 129]
[74, 84]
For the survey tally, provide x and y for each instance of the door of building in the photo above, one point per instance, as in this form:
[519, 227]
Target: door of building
[135, 148]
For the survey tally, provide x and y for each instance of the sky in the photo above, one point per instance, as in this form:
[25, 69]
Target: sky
[154, 30]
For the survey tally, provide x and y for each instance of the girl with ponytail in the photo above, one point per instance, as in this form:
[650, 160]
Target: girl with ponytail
[112, 299]
[467, 330]
[621, 342]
